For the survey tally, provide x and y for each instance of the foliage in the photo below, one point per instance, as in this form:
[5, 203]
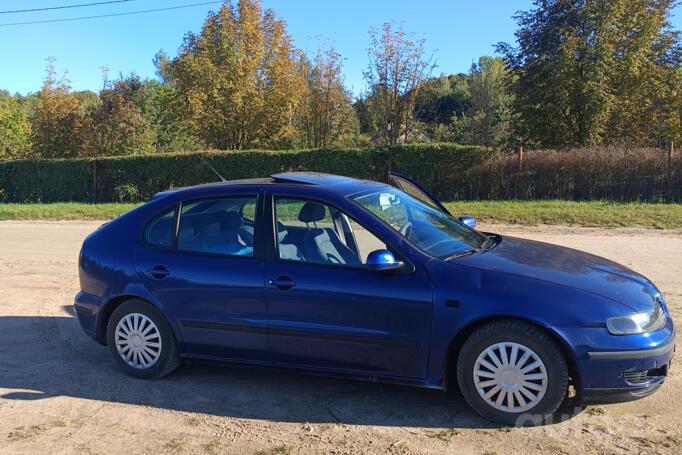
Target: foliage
[120, 128]
[581, 73]
[73, 179]
[440, 98]
[398, 66]
[451, 172]
[604, 72]
[238, 79]
[15, 129]
[326, 113]
[59, 125]
[486, 121]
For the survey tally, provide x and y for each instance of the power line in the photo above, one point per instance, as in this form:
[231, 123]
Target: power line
[64, 7]
[129, 13]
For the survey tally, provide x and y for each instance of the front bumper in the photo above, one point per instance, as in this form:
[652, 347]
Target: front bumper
[641, 380]
[613, 369]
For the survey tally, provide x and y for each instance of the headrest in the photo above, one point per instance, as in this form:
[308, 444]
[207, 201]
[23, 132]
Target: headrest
[281, 232]
[206, 225]
[311, 212]
[231, 221]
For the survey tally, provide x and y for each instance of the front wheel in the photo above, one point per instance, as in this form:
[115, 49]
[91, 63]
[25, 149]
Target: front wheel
[141, 341]
[512, 372]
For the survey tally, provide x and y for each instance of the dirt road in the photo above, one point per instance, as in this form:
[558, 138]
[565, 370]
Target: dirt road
[61, 393]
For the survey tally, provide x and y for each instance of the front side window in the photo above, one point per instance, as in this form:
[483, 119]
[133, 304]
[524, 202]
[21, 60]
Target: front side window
[431, 230]
[218, 226]
[313, 232]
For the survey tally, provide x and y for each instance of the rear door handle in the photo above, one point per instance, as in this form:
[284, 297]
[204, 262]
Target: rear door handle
[283, 283]
[158, 272]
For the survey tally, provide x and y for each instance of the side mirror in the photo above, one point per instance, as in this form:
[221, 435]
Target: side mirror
[382, 260]
[468, 221]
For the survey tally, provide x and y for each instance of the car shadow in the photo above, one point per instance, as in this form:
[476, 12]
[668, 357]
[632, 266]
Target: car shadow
[43, 357]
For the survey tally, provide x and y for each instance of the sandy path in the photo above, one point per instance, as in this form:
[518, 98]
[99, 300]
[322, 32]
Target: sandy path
[60, 393]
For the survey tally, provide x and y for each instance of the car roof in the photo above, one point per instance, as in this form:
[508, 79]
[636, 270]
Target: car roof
[345, 186]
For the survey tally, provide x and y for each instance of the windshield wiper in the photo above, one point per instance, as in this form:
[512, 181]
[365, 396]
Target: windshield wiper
[463, 253]
[488, 243]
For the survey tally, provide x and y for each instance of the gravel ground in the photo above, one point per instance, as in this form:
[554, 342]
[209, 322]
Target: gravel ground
[61, 393]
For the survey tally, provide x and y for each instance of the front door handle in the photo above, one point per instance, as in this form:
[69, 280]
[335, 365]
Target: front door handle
[158, 272]
[283, 283]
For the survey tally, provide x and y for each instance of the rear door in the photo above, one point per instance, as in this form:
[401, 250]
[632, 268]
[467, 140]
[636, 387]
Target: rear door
[416, 190]
[209, 277]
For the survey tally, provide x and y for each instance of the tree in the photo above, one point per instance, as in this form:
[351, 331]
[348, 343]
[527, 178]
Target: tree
[119, 126]
[59, 124]
[163, 109]
[440, 98]
[397, 68]
[326, 109]
[15, 129]
[591, 72]
[486, 121]
[238, 79]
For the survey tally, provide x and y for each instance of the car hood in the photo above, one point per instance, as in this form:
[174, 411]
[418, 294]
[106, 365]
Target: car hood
[568, 267]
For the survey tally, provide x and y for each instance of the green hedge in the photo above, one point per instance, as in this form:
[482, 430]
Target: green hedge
[138, 177]
[452, 172]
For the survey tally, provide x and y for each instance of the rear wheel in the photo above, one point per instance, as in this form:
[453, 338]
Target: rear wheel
[512, 372]
[141, 341]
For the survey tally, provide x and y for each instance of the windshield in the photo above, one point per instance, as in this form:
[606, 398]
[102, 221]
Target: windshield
[431, 230]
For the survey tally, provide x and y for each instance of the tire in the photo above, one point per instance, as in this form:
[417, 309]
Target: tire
[144, 346]
[543, 386]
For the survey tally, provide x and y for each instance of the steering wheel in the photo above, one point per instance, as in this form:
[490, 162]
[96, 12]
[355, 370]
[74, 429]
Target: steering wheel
[406, 229]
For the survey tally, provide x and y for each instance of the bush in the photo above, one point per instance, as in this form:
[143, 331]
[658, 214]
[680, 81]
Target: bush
[451, 172]
[126, 193]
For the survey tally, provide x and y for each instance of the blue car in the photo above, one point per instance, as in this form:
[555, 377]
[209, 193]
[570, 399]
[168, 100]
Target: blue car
[368, 280]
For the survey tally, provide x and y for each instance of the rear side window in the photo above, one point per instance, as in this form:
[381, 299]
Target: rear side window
[159, 231]
[218, 226]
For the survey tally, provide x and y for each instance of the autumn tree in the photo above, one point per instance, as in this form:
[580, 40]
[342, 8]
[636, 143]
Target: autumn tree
[398, 65]
[326, 111]
[119, 126]
[238, 79]
[59, 125]
[592, 72]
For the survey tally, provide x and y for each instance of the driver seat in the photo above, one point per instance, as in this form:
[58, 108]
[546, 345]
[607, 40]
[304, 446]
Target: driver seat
[323, 245]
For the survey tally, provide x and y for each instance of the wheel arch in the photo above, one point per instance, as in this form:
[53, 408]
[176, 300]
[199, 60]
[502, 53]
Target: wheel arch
[455, 346]
[110, 306]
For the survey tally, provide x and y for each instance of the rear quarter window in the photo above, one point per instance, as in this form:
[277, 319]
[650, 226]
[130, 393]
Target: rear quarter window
[159, 231]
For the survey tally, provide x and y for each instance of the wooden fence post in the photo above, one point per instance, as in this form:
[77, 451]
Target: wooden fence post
[520, 151]
[94, 180]
[669, 171]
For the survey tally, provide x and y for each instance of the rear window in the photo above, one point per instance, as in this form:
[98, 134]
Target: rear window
[218, 226]
[159, 231]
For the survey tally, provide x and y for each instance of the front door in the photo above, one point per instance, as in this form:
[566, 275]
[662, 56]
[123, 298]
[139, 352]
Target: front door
[327, 311]
[209, 277]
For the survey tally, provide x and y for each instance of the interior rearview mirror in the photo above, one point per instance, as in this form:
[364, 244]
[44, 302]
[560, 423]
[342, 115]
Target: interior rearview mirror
[382, 260]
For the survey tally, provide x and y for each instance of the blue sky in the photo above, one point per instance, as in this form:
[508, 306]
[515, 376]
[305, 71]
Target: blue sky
[457, 31]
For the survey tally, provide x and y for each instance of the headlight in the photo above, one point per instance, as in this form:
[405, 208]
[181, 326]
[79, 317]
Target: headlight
[647, 321]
